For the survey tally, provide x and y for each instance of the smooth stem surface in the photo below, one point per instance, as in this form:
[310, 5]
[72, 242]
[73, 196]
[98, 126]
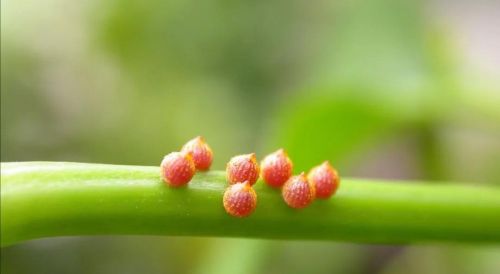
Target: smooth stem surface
[45, 199]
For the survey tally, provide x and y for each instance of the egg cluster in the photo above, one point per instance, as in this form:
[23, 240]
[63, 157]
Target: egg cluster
[243, 171]
[276, 170]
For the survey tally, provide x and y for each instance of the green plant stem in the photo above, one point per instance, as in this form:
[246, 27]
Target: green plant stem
[46, 199]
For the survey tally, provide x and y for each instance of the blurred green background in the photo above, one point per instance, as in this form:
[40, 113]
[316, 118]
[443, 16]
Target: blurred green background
[382, 88]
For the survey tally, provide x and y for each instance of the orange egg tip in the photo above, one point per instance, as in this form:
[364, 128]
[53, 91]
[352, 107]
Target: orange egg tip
[281, 151]
[327, 164]
[250, 157]
[248, 185]
[197, 138]
[187, 154]
[253, 157]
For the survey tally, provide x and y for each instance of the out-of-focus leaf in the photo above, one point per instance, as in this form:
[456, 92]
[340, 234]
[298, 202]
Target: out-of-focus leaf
[324, 127]
[375, 77]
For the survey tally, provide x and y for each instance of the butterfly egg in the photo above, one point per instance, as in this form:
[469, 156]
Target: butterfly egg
[240, 199]
[276, 168]
[243, 168]
[201, 151]
[297, 192]
[177, 168]
[325, 180]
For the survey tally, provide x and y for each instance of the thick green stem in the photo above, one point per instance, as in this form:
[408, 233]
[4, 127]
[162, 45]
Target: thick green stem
[44, 199]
